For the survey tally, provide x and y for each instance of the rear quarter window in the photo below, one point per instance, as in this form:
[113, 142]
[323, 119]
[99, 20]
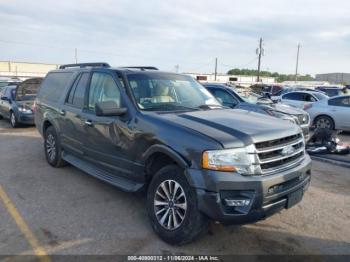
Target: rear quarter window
[54, 85]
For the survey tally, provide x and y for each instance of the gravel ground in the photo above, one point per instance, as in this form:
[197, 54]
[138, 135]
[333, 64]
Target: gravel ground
[72, 213]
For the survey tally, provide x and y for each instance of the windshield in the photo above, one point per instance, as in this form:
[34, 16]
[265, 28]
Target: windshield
[169, 92]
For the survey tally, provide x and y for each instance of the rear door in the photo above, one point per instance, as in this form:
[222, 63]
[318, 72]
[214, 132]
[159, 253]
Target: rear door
[73, 126]
[339, 109]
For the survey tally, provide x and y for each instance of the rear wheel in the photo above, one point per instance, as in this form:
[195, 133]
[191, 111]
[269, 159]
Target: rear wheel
[52, 147]
[324, 122]
[172, 207]
[13, 120]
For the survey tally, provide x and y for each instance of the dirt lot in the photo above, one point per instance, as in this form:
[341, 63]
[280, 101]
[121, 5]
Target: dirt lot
[68, 212]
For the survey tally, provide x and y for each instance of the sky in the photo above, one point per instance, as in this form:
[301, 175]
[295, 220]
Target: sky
[190, 34]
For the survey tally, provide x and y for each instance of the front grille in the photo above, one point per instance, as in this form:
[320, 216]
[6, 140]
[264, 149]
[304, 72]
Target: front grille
[277, 142]
[280, 154]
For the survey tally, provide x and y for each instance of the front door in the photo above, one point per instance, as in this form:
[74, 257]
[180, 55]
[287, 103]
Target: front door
[107, 141]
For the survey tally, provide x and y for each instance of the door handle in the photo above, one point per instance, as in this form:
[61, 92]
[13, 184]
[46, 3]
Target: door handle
[62, 112]
[88, 122]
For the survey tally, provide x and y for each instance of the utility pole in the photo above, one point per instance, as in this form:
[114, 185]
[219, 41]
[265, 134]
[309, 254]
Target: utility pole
[76, 55]
[216, 68]
[260, 52]
[297, 64]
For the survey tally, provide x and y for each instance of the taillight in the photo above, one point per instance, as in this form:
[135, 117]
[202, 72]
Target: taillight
[307, 106]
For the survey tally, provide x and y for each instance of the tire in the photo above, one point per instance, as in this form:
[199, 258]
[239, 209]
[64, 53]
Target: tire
[13, 120]
[52, 148]
[324, 122]
[191, 223]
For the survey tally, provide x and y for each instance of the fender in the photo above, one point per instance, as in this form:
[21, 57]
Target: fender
[47, 117]
[165, 150]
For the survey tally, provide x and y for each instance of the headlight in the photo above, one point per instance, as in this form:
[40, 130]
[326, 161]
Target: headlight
[290, 119]
[240, 160]
[25, 110]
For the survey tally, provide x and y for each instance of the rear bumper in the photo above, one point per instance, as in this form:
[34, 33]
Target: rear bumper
[263, 196]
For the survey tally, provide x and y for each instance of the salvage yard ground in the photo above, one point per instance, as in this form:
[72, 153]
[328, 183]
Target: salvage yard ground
[65, 211]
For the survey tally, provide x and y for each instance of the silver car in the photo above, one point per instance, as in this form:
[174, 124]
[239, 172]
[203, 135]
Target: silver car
[302, 99]
[331, 113]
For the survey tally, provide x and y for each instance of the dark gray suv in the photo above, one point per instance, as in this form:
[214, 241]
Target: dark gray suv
[140, 128]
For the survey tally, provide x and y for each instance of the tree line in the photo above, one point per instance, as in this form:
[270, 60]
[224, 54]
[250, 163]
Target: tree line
[279, 77]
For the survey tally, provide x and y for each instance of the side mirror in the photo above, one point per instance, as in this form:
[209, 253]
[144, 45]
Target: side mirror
[109, 108]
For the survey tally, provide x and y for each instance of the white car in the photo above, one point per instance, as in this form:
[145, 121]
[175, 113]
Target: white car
[331, 113]
[302, 99]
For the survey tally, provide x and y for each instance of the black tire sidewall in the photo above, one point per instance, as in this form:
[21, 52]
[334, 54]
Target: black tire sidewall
[16, 123]
[194, 222]
[52, 131]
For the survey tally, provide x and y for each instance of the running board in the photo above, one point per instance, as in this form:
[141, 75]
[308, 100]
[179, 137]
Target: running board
[122, 183]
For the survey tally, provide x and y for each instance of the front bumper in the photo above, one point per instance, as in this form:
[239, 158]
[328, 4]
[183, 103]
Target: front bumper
[26, 119]
[306, 131]
[266, 195]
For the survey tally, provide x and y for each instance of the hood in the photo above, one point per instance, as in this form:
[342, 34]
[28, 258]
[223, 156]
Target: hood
[287, 109]
[233, 128]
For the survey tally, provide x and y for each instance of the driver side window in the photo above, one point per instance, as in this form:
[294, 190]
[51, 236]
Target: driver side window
[103, 88]
[227, 99]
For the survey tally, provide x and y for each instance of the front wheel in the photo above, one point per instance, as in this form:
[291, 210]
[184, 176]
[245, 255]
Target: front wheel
[172, 207]
[13, 120]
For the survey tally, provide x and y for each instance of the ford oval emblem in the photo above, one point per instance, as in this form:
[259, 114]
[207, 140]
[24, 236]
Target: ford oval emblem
[288, 150]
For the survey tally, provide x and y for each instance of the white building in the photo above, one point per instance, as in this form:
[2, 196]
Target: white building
[25, 70]
[237, 80]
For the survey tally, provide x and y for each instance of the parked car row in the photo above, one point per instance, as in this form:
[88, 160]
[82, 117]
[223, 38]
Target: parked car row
[255, 103]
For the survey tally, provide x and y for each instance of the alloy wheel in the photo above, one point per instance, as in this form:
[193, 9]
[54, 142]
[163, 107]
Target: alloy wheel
[170, 204]
[13, 119]
[324, 123]
[51, 147]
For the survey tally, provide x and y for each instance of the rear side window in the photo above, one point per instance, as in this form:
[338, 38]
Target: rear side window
[339, 101]
[77, 93]
[54, 86]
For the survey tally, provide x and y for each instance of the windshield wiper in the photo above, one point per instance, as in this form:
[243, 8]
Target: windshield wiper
[210, 106]
[170, 107]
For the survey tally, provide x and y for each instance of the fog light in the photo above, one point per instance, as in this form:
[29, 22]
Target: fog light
[237, 202]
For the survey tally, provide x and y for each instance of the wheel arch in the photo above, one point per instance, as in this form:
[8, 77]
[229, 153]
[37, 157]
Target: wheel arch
[158, 156]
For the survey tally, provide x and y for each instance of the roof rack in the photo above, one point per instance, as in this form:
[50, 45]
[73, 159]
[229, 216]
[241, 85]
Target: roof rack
[142, 68]
[82, 65]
